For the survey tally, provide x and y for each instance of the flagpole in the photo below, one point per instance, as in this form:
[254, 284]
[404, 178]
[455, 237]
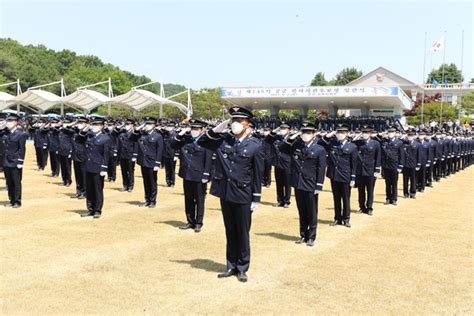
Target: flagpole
[442, 81]
[462, 78]
[423, 82]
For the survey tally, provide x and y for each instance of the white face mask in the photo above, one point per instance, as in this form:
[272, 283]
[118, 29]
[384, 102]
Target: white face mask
[195, 133]
[306, 137]
[283, 132]
[237, 128]
[422, 137]
[365, 136]
[80, 126]
[64, 125]
[266, 133]
[96, 128]
[449, 137]
[391, 135]
[110, 128]
[340, 136]
[169, 129]
[410, 138]
[10, 125]
[128, 127]
[148, 127]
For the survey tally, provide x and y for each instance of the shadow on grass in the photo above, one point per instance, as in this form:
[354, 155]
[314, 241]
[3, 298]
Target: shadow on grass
[77, 211]
[172, 223]
[278, 236]
[267, 203]
[136, 203]
[203, 264]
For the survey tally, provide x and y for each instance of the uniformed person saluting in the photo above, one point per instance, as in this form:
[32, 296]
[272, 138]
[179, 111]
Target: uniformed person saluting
[282, 163]
[14, 147]
[65, 137]
[150, 152]
[237, 181]
[342, 162]
[195, 167]
[308, 165]
[97, 145]
[128, 153]
[368, 169]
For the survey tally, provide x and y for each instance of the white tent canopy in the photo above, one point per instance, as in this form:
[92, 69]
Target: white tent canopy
[139, 99]
[6, 100]
[39, 99]
[86, 99]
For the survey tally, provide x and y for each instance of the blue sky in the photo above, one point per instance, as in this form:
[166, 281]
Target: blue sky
[243, 43]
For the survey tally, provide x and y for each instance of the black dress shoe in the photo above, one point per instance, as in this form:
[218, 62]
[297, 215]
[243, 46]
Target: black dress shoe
[130, 189]
[68, 184]
[347, 224]
[97, 215]
[278, 205]
[75, 196]
[81, 197]
[227, 273]
[370, 212]
[310, 243]
[412, 196]
[197, 229]
[87, 214]
[146, 204]
[286, 205]
[361, 211]
[152, 205]
[187, 226]
[16, 205]
[406, 196]
[242, 277]
[387, 202]
[300, 241]
[335, 223]
[395, 203]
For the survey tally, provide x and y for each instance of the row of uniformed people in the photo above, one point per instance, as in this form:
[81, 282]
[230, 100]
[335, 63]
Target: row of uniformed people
[237, 172]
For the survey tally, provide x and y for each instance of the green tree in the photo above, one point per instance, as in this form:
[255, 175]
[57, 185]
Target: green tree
[451, 74]
[319, 80]
[467, 104]
[347, 75]
[433, 112]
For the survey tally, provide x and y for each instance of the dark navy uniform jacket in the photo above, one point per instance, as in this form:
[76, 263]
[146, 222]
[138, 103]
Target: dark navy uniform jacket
[369, 157]
[53, 139]
[114, 142]
[127, 148]
[97, 151]
[78, 148]
[14, 147]
[65, 141]
[150, 148]
[341, 161]
[168, 150]
[40, 137]
[393, 153]
[281, 160]
[412, 153]
[195, 160]
[447, 148]
[440, 149]
[432, 155]
[424, 152]
[456, 148]
[308, 164]
[238, 172]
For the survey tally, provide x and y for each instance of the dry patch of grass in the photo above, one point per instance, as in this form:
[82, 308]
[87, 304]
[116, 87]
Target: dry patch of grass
[414, 258]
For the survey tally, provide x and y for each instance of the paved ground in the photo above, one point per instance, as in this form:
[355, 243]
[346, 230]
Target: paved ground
[414, 258]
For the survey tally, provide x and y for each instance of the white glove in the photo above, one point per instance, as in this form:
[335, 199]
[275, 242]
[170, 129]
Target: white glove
[221, 127]
[275, 131]
[134, 159]
[317, 191]
[19, 166]
[184, 131]
[175, 158]
[427, 164]
[417, 168]
[69, 156]
[399, 170]
[293, 137]
[103, 173]
[205, 180]
[352, 184]
[331, 134]
[376, 174]
[44, 147]
[115, 155]
[254, 206]
[155, 168]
